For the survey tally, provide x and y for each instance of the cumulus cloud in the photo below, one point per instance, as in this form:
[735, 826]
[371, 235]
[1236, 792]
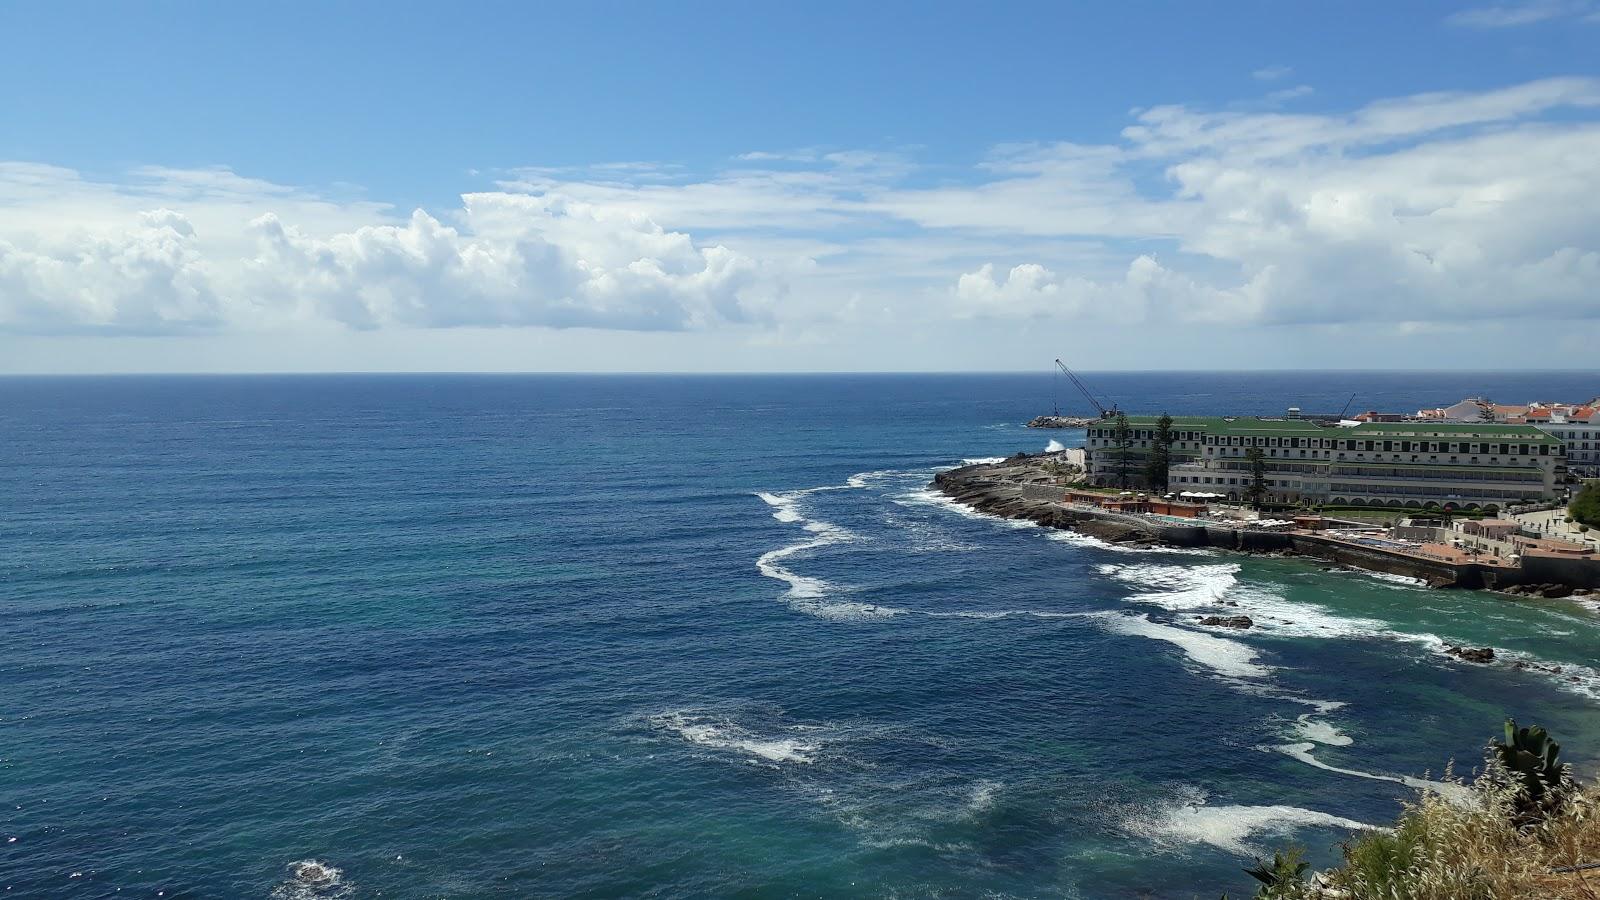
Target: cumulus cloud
[1145, 289]
[514, 259]
[1445, 207]
[150, 278]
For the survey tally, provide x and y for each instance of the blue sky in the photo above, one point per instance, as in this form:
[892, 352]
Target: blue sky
[701, 186]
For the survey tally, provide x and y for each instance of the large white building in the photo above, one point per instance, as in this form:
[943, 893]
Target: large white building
[1579, 429]
[1576, 425]
[1412, 465]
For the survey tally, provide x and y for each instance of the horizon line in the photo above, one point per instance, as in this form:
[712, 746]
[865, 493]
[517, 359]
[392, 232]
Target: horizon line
[772, 373]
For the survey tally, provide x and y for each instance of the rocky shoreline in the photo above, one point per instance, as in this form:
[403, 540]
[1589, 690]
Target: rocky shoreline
[1022, 487]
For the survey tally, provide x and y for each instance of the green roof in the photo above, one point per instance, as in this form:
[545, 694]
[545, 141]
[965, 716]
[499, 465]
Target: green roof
[1448, 429]
[1240, 425]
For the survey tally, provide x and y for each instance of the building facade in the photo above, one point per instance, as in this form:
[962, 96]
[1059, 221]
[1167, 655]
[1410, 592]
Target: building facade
[1579, 431]
[1576, 425]
[1414, 465]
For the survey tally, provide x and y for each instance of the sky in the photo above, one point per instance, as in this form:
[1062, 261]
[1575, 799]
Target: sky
[687, 187]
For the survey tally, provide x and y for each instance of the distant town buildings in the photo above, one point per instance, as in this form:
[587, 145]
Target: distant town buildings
[1434, 462]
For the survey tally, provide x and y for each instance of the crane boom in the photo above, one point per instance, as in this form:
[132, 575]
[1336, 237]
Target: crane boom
[1104, 413]
[1347, 406]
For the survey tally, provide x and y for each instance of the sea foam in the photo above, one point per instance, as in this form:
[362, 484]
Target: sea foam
[806, 593]
[721, 734]
[310, 879]
[1458, 793]
[1229, 658]
[1229, 828]
[1216, 588]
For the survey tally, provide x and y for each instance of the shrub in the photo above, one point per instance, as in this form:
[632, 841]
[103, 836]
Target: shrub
[1585, 507]
[1517, 831]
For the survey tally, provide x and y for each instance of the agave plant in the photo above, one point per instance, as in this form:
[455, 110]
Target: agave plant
[1283, 877]
[1529, 759]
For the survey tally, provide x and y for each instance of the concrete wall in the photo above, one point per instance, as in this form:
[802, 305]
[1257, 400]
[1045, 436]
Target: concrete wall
[1555, 570]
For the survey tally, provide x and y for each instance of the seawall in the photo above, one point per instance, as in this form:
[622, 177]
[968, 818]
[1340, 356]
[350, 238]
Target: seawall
[1016, 489]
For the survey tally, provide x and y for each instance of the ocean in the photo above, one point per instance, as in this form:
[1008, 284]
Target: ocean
[613, 636]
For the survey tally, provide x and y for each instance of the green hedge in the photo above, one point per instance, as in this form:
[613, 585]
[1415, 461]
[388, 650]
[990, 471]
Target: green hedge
[1585, 507]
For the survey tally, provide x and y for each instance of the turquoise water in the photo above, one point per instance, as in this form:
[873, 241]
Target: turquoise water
[547, 636]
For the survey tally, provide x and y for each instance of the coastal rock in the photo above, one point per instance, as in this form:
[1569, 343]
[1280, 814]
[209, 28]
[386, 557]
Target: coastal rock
[1556, 591]
[1227, 621]
[1114, 532]
[1472, 654]
[1059, 422]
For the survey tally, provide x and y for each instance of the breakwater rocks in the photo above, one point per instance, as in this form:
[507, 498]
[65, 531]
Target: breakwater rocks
[1059, 422]
[1547, 591]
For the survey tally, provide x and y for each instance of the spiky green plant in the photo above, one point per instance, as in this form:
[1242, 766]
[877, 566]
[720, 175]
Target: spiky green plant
[1284, 877]
[1529, 759]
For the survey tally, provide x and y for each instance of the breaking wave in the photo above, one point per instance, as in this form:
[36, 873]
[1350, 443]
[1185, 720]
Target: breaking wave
[1216, 588]
[1054, 446]
[808, 594]
[310, 879]
[1309, 728]
[1390, 578]
[721, 734]
[927, 496]
[1230, 828]
[1079, 539]
[1229, 658]
[1447, 789]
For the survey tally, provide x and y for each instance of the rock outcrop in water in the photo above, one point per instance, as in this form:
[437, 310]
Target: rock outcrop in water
[1226, 621]
[1472, 654]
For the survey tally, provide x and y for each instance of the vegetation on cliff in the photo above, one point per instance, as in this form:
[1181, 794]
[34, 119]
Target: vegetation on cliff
[1585, 507]
[1525, 830]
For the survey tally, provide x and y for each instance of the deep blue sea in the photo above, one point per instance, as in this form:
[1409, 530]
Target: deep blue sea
[482, 636]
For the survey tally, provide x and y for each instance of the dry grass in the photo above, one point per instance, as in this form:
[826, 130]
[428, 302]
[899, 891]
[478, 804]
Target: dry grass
[1443, 850]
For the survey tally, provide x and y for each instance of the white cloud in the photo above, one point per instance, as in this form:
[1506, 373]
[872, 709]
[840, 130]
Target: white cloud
[1271, 73]
[516, 259]
[1514, 15]
[1294, 93]
[1445, 208]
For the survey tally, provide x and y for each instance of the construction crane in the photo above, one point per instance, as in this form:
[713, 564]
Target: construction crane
[1346, 407]
[1104, 413]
